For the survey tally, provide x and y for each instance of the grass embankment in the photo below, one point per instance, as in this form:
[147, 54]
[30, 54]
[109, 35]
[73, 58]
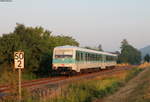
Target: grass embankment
[88, 90]
[136, 90]
[141, 92]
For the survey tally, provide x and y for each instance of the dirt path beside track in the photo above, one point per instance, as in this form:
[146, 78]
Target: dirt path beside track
[136, 90]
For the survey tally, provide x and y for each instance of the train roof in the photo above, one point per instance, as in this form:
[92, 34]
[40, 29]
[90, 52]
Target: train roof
[84, 49]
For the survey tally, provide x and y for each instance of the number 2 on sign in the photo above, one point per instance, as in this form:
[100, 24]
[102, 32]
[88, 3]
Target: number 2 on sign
[19, 60]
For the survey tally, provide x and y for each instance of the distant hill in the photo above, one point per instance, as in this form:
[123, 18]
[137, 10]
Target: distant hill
[145, 50]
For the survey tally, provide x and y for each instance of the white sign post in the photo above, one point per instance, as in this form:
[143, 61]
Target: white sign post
[19, 64]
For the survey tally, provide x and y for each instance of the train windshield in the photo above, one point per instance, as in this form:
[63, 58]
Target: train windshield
[63, 54]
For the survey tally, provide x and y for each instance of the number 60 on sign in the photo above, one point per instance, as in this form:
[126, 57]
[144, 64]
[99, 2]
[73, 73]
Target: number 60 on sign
[19, 60]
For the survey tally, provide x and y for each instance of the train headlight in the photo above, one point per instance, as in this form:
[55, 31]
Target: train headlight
[62, 65]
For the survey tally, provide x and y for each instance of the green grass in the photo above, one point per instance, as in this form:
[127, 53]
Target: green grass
[132, 73]
[141, 92]
[87, 91]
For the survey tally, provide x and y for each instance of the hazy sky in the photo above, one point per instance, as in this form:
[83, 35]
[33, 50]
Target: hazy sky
[91, 22]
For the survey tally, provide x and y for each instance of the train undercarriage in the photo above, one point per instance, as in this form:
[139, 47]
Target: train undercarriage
[69, 72]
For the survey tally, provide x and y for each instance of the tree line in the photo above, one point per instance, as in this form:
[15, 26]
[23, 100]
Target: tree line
[128, 53]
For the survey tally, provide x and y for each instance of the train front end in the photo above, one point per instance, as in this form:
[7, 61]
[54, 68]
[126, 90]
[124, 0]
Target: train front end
[63, 60]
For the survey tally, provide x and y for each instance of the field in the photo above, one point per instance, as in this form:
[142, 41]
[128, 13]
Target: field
[91, 90]
[99, 89]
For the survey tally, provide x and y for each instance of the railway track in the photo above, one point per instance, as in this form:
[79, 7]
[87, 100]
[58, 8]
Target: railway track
[6, 88]
[55, 81]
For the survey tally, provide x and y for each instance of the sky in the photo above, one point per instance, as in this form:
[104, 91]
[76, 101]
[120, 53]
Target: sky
[90, 22]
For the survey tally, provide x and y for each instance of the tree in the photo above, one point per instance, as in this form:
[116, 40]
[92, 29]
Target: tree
[129, 54]
[88, 47]
[124, 43]
[147, 58]
[37, 43]
[100, 47]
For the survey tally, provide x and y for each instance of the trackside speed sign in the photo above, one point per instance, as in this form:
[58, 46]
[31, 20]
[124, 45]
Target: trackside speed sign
[19, 60]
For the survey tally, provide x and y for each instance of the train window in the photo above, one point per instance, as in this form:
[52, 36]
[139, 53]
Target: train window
[86, 56]
[89, 57]
[110, 58]
[107, 58]
[94, 57]
[63, 54]
[81, 56]
[114, 58]
[104, 58]
[78, 56]
[97, 57]
[101, 58]
[59, 52]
